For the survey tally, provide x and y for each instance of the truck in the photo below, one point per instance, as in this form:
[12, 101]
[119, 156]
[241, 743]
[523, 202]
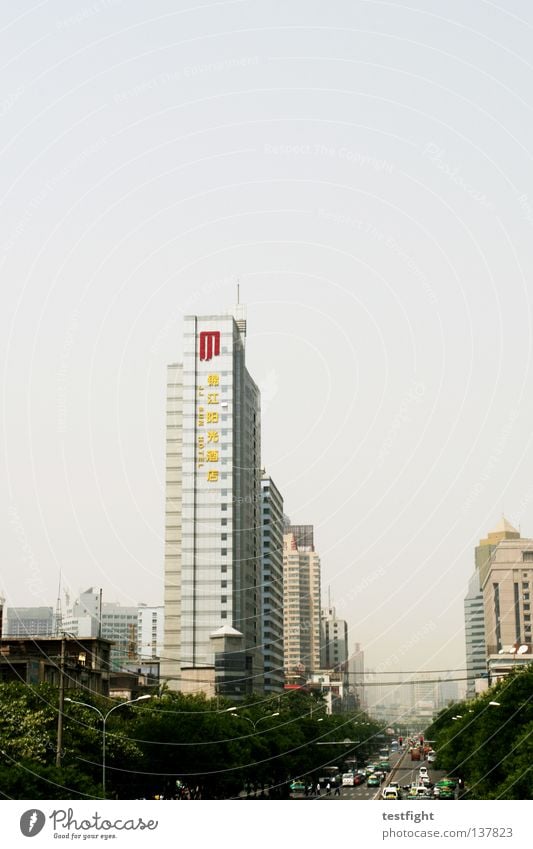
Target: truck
[415, 753]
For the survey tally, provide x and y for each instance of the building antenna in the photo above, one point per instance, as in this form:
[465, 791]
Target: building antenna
[59, 616]
[238, 291]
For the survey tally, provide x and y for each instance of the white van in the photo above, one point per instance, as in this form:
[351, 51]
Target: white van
[390, 793]
[347, 779]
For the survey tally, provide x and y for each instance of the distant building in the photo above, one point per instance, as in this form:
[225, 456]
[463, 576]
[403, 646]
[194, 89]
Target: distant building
[272, 584]
[89, 617]
[303, 534]
[334, 640]
[332, 687]
[356, 675]
[150, 631]
[29, 622]
[37, 660]
[474, 608]
[301, 608]
[507, 583]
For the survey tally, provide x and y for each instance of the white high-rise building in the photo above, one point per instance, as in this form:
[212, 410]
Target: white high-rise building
[150, 631]
[213, 525]
[272, 522]
[356, 675]
[301, 608]
[475, 635]
[334, 636]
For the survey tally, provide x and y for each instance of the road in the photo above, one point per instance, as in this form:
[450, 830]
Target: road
[403, 770]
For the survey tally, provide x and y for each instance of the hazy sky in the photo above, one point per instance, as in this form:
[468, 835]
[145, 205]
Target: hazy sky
[364, 169]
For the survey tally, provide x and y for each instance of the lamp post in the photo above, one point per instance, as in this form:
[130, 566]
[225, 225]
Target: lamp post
[104, 717]
[247, 718]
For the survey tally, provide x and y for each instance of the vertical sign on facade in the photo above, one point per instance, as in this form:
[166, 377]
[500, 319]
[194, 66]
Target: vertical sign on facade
[208, 401]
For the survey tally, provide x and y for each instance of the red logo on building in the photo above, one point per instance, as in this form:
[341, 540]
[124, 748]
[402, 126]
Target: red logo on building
[209, 344]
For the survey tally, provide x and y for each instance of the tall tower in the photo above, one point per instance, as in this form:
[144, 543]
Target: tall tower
[334, 633]
[301, 607]
[475, 641]
[272, 521]
[213, 526]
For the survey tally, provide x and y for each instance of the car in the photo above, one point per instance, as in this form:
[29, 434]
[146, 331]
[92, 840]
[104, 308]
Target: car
[359, 779]
[419, 792]
[423, 772]
[444, 792]
[432, 757]
[370, 768]
[297, 786]
[384, 766]
[390, 793]
[447, 782]
[374, 780]
[348, 779]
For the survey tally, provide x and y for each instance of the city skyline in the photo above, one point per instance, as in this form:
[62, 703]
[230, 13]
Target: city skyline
[372, 193]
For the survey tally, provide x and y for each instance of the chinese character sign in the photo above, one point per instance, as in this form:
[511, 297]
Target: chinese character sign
[209, 345]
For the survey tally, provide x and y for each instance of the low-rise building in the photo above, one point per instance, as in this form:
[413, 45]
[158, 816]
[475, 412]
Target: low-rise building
[39, 660]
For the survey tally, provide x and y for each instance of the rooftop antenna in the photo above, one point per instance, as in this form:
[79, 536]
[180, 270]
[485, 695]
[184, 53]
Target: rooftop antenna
[58, 617]
[240, 313]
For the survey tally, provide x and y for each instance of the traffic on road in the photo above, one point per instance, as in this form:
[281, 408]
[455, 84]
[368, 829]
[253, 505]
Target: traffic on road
[398, 771]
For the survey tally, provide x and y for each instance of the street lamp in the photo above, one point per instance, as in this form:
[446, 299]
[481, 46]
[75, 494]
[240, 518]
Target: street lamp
[247, 718]
[104, 717]
[494, 704]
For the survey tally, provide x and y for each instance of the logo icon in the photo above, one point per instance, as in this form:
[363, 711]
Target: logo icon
[209, 344]
[32, 822]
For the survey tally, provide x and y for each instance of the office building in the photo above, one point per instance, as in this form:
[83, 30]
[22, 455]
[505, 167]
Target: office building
[29, 622]
[213, 601]
[89, 616]
[356, 676]
[303, 534]
[334, 640]
[150, 631]
[301, 609]
[506, 581]
[272, 584]
[474, 609]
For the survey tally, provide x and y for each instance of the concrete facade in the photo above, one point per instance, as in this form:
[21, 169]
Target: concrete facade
[301, 608]
[213, 503]
[272, 584]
